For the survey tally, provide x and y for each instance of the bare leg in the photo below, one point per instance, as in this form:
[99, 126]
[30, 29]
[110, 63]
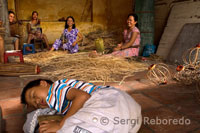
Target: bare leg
[1, 50]
[30, 37]
[46, 40]
[17, 44]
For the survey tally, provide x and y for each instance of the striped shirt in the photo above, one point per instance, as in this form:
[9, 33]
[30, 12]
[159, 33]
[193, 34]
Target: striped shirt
[57, 93]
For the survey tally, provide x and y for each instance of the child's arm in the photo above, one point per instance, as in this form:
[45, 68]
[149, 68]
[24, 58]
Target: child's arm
[78, 98]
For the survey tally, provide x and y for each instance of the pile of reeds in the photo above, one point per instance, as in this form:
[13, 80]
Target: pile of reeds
[111, 39]
[80, 66]
[189, 74]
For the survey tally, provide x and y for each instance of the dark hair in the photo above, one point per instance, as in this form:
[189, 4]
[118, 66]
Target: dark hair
[11, 12]
[32, 84]
[34, 12]
[135, 18]
[66, 25]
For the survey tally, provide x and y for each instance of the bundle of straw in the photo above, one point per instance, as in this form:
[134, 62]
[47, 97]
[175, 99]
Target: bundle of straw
[80, 66]
[190, 74]
[110, 39]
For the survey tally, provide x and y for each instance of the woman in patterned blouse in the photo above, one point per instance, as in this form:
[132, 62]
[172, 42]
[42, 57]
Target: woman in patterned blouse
[131, 39]
[69, 40]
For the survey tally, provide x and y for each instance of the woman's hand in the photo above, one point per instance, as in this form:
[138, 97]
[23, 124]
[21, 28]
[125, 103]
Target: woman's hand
[116, 49]
[74, 43]
[49, 126]
[119, 46]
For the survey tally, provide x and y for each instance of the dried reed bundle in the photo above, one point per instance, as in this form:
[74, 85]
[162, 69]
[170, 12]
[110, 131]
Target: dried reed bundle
[155, 58]
[189, 74]
[80, 66]
[110, 38]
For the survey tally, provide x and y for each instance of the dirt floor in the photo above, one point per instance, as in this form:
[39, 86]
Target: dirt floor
[164, 102]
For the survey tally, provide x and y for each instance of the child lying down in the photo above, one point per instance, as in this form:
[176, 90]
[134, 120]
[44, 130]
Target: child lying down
[86, 108]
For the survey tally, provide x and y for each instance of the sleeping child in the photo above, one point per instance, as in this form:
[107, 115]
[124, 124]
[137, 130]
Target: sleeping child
[85, 107]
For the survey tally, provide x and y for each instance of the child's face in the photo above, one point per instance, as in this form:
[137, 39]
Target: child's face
[36, 96]
[131, 21]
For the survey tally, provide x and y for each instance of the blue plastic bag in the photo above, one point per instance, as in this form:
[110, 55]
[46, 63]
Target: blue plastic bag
[148, 50]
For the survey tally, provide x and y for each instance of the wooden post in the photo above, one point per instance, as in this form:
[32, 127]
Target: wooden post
[1, 49]
[4, 16]
[4, 28]
[1, 120]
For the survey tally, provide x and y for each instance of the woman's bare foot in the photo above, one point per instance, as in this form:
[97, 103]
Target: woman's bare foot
[66, 51]
[52, 49]
[28, 49]
[93, 54]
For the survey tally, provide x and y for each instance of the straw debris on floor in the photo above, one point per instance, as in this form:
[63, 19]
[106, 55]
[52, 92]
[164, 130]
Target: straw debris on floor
[59, 64]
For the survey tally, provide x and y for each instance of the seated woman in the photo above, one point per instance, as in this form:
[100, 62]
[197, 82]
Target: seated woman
[35, 31]
[130, 45]
[70, 34]
[131, 40]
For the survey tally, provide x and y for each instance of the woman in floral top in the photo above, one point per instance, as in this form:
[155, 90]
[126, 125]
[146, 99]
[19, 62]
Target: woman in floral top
[131, 40]
[69, 39]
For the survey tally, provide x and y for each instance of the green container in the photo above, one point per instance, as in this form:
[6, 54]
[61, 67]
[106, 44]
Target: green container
[99, 44]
